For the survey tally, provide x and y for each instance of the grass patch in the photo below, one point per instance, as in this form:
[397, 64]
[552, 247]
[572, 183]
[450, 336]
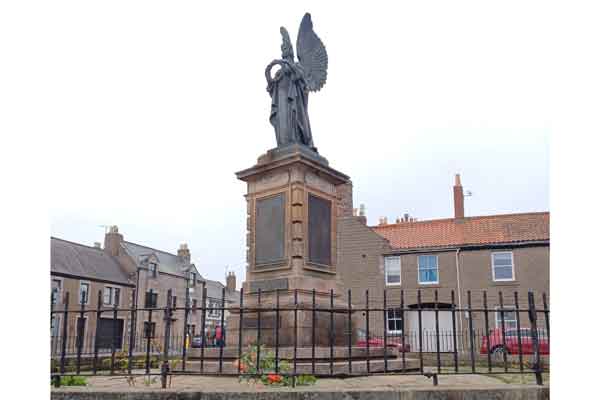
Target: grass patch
[72, 380]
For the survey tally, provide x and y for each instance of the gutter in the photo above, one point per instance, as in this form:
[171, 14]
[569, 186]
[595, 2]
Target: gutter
[467, 247]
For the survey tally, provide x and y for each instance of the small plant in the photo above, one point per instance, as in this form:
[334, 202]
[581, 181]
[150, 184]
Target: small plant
[266, 373]
[150, 380]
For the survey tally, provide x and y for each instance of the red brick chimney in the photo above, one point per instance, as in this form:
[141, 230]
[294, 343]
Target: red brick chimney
[112, 241]
[459, 198]
[230, 281]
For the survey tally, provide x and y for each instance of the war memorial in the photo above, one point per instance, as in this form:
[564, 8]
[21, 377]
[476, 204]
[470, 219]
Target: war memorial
[292, 299]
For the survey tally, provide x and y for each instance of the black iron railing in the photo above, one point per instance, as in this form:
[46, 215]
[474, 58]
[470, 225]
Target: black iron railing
[330, 337]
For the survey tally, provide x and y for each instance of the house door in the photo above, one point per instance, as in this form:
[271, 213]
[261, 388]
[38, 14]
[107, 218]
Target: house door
[429, 332]
[105, 331]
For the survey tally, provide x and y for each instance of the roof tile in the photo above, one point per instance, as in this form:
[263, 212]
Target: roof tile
[492, 229]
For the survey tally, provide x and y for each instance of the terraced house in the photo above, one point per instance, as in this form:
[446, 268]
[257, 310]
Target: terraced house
[499, 254]
[111, 273]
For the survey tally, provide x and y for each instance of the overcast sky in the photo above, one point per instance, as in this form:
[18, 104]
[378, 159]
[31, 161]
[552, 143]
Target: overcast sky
[157, 106]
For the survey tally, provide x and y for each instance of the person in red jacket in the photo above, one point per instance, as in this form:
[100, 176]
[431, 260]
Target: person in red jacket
[219, 336]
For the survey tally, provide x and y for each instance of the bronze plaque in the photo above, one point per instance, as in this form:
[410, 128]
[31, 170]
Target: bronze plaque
[319, 230]
[270, 230]
[268, 285]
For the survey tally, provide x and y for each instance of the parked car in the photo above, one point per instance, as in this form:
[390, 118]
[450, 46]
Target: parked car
[511, 343]
[376, 341]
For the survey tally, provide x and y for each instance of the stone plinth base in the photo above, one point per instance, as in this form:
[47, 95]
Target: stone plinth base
[336, 360]
[330, 328]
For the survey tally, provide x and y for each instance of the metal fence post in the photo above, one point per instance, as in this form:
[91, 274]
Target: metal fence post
[63, 343]
[367, 335]
[385, 355]
[164, 370]
[80, 334]
[186, 314]
[114, 339]
[471, 344]
[221, 342]
[148, 330]
[239, 366]
[131, 330]
[534, 339]
[349, 331]
[203, 327]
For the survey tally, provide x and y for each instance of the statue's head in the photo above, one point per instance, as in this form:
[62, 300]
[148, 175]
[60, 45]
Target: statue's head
[287, 51]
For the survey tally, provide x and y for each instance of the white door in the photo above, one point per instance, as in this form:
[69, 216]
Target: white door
[428, 329]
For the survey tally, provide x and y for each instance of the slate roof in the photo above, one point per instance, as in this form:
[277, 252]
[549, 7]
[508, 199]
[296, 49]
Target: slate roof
[167, 262]
[483, 230]
[85, 262]
[214, 290]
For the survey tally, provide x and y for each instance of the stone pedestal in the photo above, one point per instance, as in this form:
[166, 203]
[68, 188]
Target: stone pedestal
[293, 202]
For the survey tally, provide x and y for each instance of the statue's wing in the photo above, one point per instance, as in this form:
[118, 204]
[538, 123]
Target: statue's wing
[311, 54]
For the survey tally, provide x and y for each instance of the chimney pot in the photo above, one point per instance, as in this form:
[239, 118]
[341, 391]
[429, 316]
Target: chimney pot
[361, 211]
[230, 281]
[183, 253]
[457, 180]
[112, 241]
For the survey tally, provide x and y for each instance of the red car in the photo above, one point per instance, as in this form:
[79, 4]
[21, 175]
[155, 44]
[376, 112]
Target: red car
[511, 344]
[392, 341]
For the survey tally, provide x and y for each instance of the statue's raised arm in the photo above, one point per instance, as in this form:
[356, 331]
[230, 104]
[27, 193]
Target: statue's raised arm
[312, 55]
[290, 84]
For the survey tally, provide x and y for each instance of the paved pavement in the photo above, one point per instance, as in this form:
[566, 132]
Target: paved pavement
[232, 384]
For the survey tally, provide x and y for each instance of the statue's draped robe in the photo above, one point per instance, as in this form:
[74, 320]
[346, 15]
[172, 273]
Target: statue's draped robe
[289, 114]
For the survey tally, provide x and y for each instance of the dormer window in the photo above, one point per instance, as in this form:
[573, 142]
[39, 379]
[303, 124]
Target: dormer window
[153, 269]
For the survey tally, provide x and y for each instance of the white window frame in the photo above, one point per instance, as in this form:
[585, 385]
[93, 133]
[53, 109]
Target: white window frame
[87, 300]
[512, 261]
[499, 318]
[59, 294]
[55, 317]
[385, 268]
[437, 264]
[387, 319]
[113, 295]
[151, 273]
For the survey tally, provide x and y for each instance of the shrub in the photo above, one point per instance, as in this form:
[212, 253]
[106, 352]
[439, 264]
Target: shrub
[266, 371]
[73, 380]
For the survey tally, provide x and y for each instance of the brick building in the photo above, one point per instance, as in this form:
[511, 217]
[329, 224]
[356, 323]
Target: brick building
[112, 272]
[496, 253]
[83, 272]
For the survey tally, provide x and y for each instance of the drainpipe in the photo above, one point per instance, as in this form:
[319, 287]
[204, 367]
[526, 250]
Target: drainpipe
[460, 322]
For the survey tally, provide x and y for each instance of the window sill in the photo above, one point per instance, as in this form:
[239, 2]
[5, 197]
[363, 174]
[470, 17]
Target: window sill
[505, 283]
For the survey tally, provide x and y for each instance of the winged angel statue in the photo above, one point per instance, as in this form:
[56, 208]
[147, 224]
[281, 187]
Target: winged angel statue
[291, 83]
